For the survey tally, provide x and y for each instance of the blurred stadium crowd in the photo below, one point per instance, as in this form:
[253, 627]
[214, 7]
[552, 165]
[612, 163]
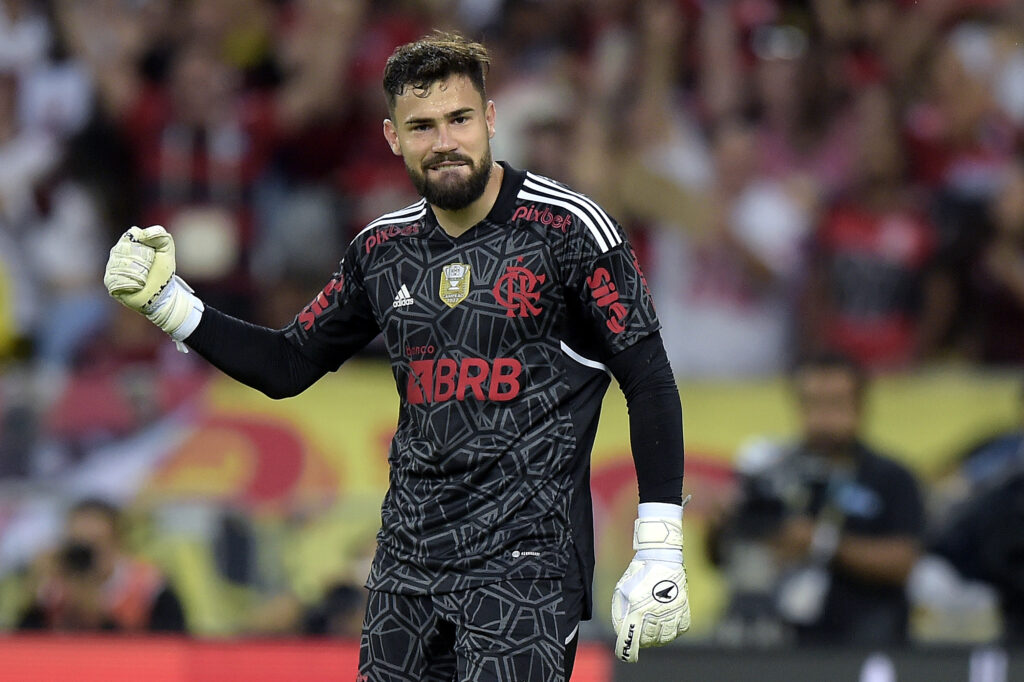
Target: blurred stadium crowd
[796, 175]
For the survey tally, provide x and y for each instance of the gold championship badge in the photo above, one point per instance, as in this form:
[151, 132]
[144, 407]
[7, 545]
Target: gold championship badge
[454, 284]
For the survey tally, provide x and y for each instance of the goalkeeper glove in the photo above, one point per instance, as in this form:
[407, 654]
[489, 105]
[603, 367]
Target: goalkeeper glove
[140, 274]
[650, 605]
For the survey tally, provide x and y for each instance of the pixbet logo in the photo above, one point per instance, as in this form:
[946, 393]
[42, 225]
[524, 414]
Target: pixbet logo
[515, 291]
[543, 216]
[385, 233]
[309, 314]
[602, 288]
[437, 381]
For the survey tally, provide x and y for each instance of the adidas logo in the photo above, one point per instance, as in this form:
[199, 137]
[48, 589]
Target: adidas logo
[403, 298]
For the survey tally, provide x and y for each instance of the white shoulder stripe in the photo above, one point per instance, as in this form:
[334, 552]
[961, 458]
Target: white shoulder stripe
[402, 212]
[539, 193]
[599, 214]
[596, 212]
[587, 362]
[391, 221]
[562, 189]
[411, 212]
[583, 216]
[610, 237]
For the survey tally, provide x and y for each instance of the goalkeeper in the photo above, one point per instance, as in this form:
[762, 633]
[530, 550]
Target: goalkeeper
[505, 300]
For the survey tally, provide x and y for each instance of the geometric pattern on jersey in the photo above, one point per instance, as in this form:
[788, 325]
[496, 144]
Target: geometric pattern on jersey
[507, 631]
[499, 391]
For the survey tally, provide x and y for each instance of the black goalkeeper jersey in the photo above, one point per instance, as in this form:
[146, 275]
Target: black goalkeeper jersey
[496, 340]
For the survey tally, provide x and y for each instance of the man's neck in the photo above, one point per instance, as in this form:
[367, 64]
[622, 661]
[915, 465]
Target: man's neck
[455, 223]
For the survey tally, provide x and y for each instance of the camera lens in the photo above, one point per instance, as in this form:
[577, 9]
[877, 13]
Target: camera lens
[78, 558]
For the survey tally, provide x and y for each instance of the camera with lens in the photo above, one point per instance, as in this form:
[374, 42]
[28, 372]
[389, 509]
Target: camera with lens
[777, 483]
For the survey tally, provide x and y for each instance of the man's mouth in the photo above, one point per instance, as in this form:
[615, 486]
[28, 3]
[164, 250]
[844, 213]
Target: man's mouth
[445, 165]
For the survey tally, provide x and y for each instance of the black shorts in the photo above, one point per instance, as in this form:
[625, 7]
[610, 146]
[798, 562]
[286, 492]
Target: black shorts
[503, 632]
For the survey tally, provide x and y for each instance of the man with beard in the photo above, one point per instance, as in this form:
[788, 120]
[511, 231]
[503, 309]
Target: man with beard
[505, 300]
[843, 522]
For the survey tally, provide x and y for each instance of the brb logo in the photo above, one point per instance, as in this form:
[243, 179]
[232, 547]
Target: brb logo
[602, 288]
[437, 381]
[309, 314]
[515, 291]
[542, 216]
[385, 233]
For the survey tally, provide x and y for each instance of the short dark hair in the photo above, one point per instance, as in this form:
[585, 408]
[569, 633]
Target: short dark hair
[434, 58]
[96, 505]
[833, 360]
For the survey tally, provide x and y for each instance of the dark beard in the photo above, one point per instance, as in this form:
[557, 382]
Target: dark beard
[453, 196]
[830, 447]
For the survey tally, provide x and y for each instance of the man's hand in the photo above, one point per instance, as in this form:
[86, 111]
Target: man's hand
[141, 263]
[650, 605]
[792, 542]
[140, 274]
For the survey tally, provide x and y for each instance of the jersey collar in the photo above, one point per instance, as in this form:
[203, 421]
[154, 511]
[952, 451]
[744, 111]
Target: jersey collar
[505, 204]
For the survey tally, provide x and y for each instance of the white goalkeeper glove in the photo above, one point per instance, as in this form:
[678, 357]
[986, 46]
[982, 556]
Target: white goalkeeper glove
[140, 274]
[650, 605]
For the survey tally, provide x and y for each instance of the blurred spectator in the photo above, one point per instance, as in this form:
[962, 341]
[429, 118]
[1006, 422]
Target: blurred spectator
[724, 239]
[806, 126]
[996, 294]
[201, 140]
[961, 144]
[841, 521]
[92, 583]
[872, 291]
[62, 245]
[719, 288]
[961, 138]
[24, 34]
[983, 512]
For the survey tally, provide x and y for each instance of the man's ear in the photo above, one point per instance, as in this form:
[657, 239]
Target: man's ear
[489, 117]
[391, 135]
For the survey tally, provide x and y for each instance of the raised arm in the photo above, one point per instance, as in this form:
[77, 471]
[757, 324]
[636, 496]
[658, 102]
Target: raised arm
[280, 363]
[259, 357]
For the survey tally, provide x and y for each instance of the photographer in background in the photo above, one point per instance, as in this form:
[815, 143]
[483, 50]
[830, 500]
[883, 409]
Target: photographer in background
[839, 523]
[91, 583]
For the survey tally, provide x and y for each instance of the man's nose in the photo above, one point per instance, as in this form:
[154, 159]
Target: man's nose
[444, 142]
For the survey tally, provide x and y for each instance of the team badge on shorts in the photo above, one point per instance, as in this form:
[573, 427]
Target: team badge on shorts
[454, 283]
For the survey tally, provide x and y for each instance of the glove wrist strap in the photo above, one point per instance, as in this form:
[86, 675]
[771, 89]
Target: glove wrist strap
[659, 526]
[657, 534]
[671, 556]
[176, 310]
[192, 318]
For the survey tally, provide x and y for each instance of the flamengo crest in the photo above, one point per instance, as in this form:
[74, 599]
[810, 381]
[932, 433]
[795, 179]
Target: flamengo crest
[455, 279]
[516, 291]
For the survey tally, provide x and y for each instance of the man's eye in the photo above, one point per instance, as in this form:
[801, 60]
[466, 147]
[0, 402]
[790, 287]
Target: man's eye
[460, 119]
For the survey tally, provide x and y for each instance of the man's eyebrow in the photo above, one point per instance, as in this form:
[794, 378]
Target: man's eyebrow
[452, 114]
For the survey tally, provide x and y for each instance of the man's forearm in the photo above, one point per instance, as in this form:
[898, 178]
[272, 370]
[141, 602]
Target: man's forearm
[882, 560]
[256, 356]
[655, 419]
